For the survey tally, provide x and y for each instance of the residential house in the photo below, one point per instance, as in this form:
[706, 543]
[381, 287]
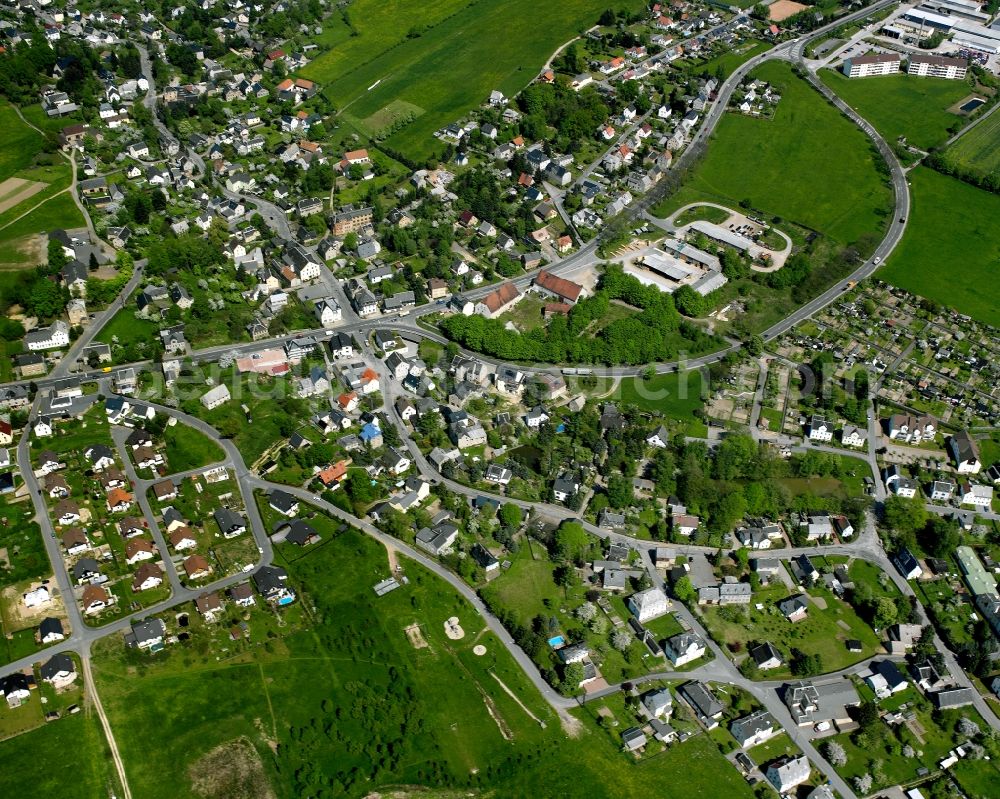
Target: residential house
[787, 772]
[700, 699]
[754, 729]
[964, 450]
[683, 648]
[649, 604]
[146, 577]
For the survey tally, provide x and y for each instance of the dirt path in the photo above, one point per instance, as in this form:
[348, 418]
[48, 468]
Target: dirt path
[91, 689]
[517, 699]
[393, 555]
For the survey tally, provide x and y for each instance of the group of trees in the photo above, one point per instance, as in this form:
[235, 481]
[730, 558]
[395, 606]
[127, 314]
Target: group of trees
[574, 116]
[654, 334]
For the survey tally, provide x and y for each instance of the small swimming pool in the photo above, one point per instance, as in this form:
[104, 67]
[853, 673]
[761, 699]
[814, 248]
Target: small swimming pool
[286, 600]
[972, 105]
[557, 641]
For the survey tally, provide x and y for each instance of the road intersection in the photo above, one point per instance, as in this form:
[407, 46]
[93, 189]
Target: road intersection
[721, 669]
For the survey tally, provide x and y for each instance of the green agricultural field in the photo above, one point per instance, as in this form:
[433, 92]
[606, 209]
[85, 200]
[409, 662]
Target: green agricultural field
[22, 156]
[451, 62]
[808, 164]
[904, 105]
[66, 758]
[20, 144]
[357, 704]
[951, 246]
[979, 148]
[188, 448]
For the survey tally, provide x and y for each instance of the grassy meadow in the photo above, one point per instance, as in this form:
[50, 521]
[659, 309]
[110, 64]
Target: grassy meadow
[951, 246]
[903, 105]
[346, 700]
[807, 164]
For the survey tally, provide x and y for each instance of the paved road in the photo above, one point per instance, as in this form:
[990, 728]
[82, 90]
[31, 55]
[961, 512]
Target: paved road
[73, 356]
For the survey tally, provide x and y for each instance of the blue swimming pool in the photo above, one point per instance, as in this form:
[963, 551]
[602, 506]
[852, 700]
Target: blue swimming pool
[972, 105]
[557, 641]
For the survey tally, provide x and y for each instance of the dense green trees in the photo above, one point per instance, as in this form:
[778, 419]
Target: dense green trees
[654, 334]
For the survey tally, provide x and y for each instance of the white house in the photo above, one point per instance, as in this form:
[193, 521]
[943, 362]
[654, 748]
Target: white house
[788, 772]
[215, 397]
[965, 451]
[649, 604]
[684, 648]
[48, 338]
[981, 496]
[820, 429]
[327, 311]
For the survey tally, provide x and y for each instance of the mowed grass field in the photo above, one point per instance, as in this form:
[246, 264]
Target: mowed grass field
[807, 164]
[463, 52]
[903, 105]
[979, 148]
[951, 248]
[309, 700]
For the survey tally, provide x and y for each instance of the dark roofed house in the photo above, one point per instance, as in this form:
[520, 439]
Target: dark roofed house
[270, 582]
[953, 697]
[231, 523]
[58, 669]
[283, 502]
[147, 634]
[51, 630]
[301, 533]
[707, 708]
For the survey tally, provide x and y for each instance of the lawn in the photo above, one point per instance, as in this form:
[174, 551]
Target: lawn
[350, 703]
[979, 148]
[444, 59]
[525, 588]
[677, 394]
[66, 758]
[903, 105]
[17, 237]
[708, 213]
[125, 327]
[188, 448]
[883, 743]
[21, 542]
[526, 314]
[808, 164]
[951, 246]
[773, 749]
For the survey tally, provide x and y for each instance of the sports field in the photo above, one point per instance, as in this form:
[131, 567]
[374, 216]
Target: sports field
[979, 148]
[951, 247]
[807, 164]
[457, 54]
[904, 105]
